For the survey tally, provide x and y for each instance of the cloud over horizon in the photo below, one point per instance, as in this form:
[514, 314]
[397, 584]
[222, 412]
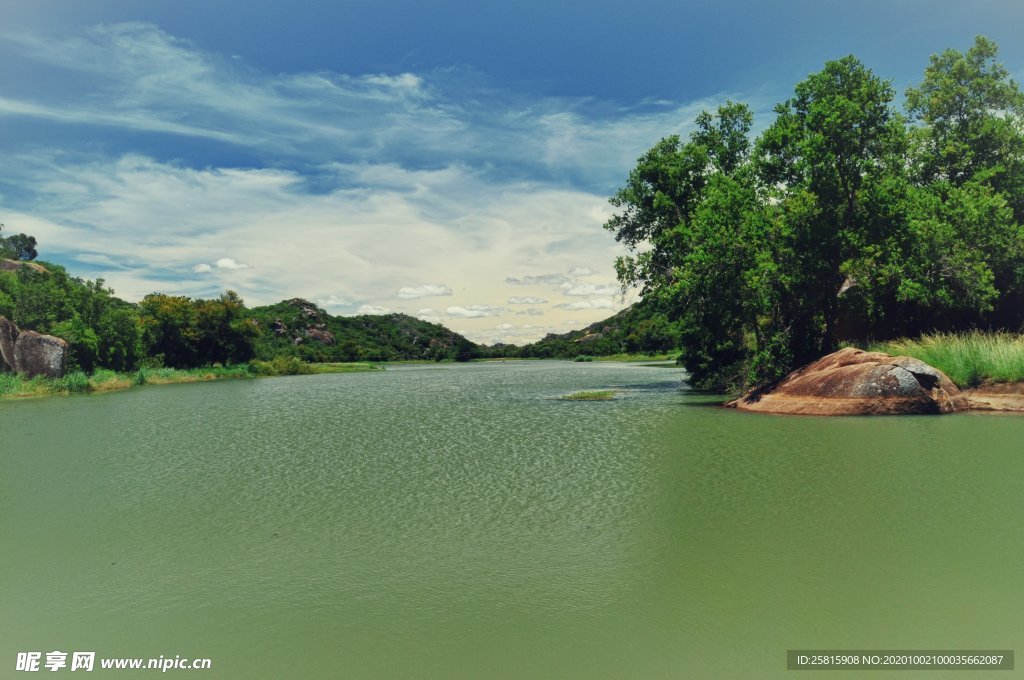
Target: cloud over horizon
[188, 172]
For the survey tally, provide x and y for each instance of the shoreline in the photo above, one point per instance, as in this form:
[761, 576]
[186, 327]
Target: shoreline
[16, 386]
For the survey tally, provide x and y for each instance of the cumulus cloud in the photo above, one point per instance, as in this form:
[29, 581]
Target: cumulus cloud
[526, 300]
[426, 290]
[581, 271]
[532, 311]
[371, 309]
[428, 314]
[229, 263]
[474, 311]
[509, 333]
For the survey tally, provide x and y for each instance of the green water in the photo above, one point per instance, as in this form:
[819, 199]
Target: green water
[460, 522]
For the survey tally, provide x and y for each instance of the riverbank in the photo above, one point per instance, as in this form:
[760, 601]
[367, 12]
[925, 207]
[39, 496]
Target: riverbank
[18, 386]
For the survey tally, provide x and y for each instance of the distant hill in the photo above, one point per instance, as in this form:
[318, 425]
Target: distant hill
[641, 327]
[301, 328]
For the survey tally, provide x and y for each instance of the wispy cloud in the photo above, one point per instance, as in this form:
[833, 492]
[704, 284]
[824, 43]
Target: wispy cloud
[354, 188]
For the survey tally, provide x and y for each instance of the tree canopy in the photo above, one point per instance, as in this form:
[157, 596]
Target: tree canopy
[844, 220]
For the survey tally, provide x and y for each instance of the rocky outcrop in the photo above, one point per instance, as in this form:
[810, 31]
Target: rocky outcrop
[997, 397]
[14, 265]
[855, 382]
[8, 336]
[31, 353]
[320, 335]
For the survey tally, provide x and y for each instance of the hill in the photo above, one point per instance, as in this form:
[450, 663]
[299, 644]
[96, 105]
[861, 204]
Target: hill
[300, 328]
[641, 327]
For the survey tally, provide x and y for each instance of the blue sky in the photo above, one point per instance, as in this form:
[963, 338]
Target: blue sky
[450, 160]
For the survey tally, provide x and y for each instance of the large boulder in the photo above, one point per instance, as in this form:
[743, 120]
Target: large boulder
[855, 382]
[8, 336]
[37, 354]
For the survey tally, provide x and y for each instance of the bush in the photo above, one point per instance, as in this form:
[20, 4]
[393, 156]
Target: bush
[967, 358]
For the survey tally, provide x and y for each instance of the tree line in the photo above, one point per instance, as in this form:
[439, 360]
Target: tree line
[845, 220]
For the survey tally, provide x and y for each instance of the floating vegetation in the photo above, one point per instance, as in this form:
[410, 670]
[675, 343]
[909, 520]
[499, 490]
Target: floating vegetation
[600, 395]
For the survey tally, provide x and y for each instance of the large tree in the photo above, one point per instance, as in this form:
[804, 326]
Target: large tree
[846, 220]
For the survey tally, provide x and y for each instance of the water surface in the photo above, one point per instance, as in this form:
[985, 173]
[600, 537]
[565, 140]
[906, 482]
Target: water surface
[460, 522]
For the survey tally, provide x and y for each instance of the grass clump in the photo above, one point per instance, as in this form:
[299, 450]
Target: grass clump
[600, 395]
[969, 359]
[583, 357]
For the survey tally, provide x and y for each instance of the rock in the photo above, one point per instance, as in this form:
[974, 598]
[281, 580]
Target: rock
[278, 327]
[14, 265]
[997, 397]
[325, 337]
[37, 354]
[590, 337]
[855, 382]
[8, 336]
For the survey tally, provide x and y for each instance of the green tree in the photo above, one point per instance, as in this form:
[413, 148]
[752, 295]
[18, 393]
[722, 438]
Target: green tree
[972, 116]
[692, 217]
[17, 247]
[834, 160]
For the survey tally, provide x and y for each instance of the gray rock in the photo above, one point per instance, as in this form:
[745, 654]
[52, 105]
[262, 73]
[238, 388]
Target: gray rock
[37, 354]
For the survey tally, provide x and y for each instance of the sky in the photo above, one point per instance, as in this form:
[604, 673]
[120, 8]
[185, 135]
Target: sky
[451, 160]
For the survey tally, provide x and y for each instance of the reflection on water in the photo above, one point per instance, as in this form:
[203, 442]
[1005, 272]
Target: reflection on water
[460, 522]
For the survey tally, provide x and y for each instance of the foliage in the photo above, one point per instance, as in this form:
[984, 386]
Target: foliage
[641, 328]
[600, 395]
[301, 329]
[18, 247]
[967, 358]
[843, 220]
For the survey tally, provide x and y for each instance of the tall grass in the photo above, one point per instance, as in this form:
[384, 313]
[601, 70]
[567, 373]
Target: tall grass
[969, 359]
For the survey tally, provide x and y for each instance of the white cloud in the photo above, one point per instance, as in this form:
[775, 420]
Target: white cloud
[535, 280]
[229, 263]
[585, 289]
[474, 311]
[356, 183]
[332, 301]
[426, 290]
[428, 314]
[596, 303]
[371, 309]
[516, 334]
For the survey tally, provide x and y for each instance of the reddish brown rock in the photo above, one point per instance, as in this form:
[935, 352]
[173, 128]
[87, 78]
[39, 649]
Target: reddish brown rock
[855, 382]
[37, 354]
[8, 336]
[997, 397]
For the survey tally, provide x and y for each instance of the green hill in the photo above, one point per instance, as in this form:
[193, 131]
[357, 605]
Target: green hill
[298, 327]
[641, 327]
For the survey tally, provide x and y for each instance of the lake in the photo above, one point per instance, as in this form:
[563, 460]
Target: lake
[459, 521]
